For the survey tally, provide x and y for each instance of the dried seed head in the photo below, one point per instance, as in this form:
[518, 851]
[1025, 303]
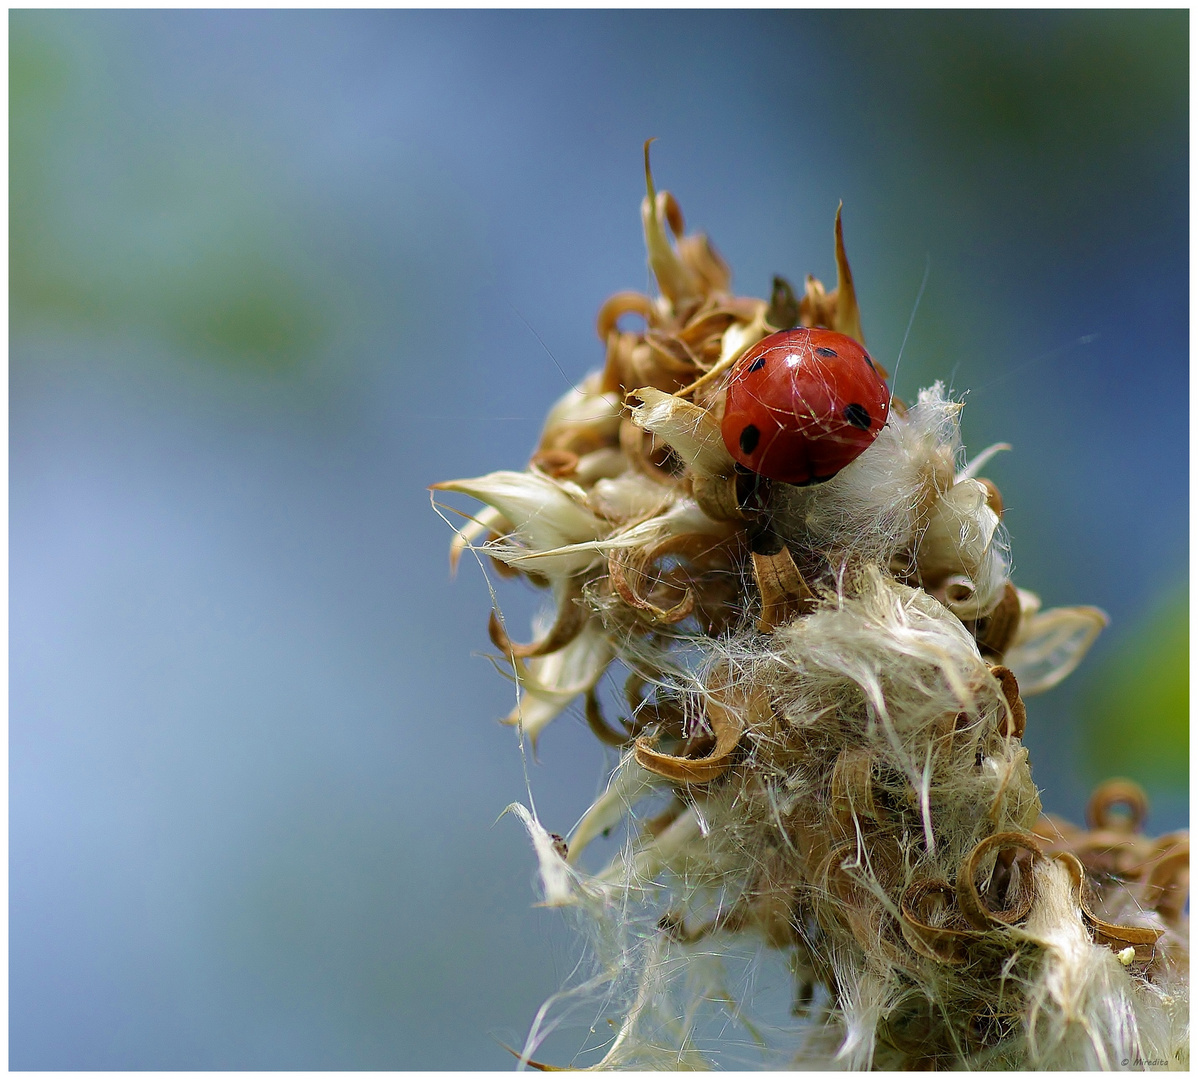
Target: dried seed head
[821, 749]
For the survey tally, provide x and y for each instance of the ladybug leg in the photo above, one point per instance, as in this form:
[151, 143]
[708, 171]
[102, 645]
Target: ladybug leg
[784, 593]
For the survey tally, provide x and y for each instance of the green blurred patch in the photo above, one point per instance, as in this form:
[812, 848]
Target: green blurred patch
[1051, 83]
[1138, 710]
[239, 307]
[1060, 83]
[119, 224]
[36, 70]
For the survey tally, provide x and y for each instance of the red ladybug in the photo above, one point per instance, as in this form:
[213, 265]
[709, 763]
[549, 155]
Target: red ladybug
[802, 404]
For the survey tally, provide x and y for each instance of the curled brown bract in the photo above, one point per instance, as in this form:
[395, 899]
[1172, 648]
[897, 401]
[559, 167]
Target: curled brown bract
[932, 924]
[727, 725]
[571, 618]
[1155, 873]
[996, 631]
[619, 305]
[1016, 711]
[1009, 883]
[599, 726]
[716, 496]
[668, 716]
[1143, 939]
[633, 579]
[1102, 813]
[1167, 882]
[705, 331]
[784, 593]
[557, 463]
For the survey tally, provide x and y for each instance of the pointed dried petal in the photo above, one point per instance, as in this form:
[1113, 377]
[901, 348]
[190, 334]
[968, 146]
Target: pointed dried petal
[674, 279]
[548, 684]
[971, 470]
[629, 784]
[546, 514]
[1051, 644]
[691, 431]
[487, 520]
[847, 316]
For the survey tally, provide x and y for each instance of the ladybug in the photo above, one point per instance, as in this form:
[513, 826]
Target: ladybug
[802, 404]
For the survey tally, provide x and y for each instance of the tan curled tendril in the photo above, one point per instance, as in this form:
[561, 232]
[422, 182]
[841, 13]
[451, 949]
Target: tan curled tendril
[726, 716]
[932, 923]
[1016, 710]
[571, 618]
[1101, 809]
[1010, 882]
[1167, 882]
[619, 305]
[1142, 939]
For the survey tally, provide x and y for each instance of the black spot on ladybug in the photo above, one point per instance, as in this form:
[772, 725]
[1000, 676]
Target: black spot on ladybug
[749, 438]
[830, 353]
[757, 364]
[858, 416]
[869, 361]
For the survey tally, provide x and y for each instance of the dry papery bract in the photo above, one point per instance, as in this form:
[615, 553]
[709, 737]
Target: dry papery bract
[821, 752]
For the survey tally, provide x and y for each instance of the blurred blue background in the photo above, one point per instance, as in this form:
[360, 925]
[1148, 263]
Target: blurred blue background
[273, 273]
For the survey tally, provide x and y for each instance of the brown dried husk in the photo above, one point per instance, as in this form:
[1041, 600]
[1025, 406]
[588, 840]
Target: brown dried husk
[833, 722]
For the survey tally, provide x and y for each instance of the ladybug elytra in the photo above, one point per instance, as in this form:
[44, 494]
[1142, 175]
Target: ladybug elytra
[802, 404]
